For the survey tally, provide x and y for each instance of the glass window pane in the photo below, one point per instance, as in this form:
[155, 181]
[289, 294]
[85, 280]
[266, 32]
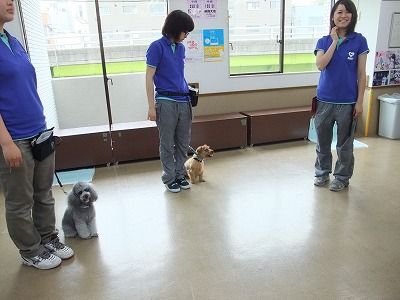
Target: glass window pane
[254, 34]
[305, 23]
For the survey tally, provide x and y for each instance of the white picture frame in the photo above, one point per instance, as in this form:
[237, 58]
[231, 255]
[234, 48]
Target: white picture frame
[394, 37]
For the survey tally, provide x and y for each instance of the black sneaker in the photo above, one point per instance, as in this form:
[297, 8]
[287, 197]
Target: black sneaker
[183, 183]
[173, 187]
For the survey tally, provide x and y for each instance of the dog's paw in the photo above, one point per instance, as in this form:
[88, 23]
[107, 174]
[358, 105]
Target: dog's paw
[94, 235]
[86, 237]
[70, 235]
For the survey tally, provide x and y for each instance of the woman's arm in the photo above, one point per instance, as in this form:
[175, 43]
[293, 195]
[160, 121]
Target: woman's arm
[324, 58]
[12, 154]
[361, 81]
[150, 71]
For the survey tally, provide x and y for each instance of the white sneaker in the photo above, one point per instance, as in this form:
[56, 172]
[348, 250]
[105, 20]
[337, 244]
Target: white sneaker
[59, 249]
[42, 261]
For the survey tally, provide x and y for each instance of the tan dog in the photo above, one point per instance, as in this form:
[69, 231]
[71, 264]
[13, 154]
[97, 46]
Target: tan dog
[195, 164]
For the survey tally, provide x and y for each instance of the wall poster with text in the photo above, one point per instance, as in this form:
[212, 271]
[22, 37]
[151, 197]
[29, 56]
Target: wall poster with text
[213, 40]
[206, 9]
[194, 47]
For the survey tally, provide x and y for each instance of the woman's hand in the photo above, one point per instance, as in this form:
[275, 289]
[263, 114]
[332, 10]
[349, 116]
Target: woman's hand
[334, 34]
[151, 115]
[358, 110]
[12, 155]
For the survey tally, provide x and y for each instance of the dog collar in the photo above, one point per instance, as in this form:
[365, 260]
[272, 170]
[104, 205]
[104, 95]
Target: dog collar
[198, 156]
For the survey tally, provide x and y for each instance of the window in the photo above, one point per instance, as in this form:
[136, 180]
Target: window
[125, 38]
[253, 5]
[129, 9]
[158, 9]
[275, 4]
[262, 41]
[105, 10]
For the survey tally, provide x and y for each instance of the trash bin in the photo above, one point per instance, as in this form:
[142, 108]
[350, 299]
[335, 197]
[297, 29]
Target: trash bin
[389, 116]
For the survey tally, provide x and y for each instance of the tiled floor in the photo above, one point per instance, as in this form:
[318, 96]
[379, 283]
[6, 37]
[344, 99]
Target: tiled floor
[257, 229]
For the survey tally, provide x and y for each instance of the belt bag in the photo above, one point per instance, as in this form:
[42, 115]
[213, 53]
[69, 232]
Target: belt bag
[43, 144]
[193, 95]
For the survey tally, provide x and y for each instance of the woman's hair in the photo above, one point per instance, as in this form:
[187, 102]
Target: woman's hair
[351, 8]
[177, 22]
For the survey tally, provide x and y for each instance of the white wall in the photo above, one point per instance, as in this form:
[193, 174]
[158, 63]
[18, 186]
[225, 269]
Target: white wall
[385, 19]
[367, 25]
[81, 100]
[374, 23]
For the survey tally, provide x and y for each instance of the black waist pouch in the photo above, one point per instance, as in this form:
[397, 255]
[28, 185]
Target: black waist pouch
[194, 97]
[43, 144]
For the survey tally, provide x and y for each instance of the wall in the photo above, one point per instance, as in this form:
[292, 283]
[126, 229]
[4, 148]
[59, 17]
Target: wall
[376, 29]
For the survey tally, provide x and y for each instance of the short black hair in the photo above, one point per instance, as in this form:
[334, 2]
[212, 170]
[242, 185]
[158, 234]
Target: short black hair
[177, 22]
[351, 8]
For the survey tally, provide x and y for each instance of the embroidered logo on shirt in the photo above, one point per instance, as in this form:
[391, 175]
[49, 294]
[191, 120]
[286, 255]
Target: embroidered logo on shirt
[351, 56]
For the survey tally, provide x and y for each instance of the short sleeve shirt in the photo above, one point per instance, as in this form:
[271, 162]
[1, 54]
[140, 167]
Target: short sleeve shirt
[338, 81]
[169, 64]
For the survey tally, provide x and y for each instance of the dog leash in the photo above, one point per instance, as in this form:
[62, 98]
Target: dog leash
[199, 158]
[59, 183]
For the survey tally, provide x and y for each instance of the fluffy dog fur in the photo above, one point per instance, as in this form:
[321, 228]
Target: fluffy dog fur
[195, 164]
[80, 215]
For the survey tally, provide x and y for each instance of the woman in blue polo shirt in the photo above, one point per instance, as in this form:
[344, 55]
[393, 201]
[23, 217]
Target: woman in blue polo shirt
[341, 57]
[170, 107]
[26, 182]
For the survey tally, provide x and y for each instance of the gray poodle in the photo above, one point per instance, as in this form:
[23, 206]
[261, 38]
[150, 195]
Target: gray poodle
[80, 215]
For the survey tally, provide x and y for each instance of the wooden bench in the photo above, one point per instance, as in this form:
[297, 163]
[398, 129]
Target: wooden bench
[91, 146]
[221, 131]
[83, 147]
[275, 125]
[135, 140]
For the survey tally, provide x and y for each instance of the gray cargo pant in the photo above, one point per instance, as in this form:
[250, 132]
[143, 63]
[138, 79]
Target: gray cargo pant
[29, 201]
[326, 116]
[174, 122]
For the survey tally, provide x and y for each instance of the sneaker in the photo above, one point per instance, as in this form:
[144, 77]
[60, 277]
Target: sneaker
[42, 261]
[173, 187]
[337, 185]
[59, 249]
[321, 180]
[183, 183]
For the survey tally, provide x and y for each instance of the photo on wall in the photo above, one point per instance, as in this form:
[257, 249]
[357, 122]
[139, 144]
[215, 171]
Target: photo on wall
[386, 68]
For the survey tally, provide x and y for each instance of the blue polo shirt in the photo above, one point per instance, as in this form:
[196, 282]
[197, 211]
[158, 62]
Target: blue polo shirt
[169, 61]
[20, 105]
[338, 81]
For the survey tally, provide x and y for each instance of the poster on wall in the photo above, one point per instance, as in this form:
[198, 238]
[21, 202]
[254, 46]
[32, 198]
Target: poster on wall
[213, 40]
[210, 9]
[194, 8]
[194, 47]
[386, 68]
[202, 8]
